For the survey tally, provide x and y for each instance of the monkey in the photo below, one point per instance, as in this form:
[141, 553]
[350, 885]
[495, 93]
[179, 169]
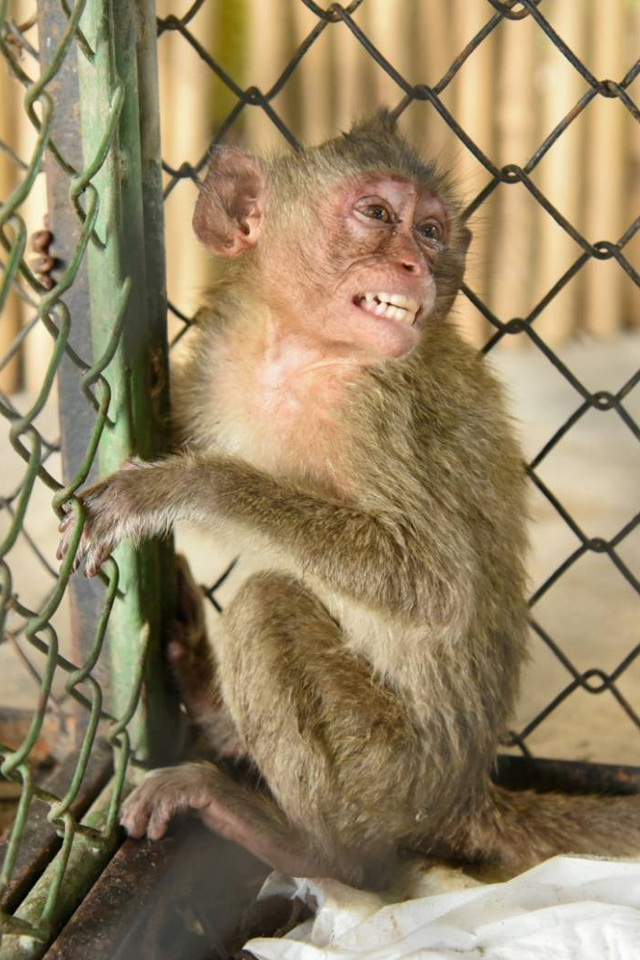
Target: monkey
[330, 416]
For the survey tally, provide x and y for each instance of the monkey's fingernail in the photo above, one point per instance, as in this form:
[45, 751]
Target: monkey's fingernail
[175, 651]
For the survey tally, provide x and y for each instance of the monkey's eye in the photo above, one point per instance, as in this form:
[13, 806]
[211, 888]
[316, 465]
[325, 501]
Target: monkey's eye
[431, 230]
[376, 211]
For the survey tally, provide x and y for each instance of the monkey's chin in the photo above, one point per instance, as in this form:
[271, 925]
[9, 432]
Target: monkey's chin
[386, 337]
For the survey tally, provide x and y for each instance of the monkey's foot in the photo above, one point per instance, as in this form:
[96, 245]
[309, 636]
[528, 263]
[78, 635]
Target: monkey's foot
[164, 794]
[225, 806]
[112, 514]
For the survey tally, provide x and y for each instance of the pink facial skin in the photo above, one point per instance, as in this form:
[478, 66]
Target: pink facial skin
[369, 285]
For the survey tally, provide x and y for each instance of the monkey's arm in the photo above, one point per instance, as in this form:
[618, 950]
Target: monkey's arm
[375, 558]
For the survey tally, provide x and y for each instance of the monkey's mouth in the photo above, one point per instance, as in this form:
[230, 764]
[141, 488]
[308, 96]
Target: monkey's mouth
[389, 306]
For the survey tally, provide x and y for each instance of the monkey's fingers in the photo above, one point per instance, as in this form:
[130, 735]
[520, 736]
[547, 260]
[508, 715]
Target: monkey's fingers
[94, 558]
[63, 548]
[66, 528]
[90, 552]
[67, 521]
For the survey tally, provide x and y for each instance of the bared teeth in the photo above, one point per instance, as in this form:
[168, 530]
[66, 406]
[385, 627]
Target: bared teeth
[390, 306]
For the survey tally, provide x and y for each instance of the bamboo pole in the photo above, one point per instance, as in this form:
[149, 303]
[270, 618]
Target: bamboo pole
[432, 51]
[606, 189]
[186, 98]
[316, 80]
[9, 177]
[387, 27]
[473, 109]
[513, 246]
[632, 177]
[558, 175]
[353, 94]
[229, 50]
[268, 51]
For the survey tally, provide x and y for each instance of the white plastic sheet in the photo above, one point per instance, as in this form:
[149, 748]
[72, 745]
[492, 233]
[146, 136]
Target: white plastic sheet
[569, 908]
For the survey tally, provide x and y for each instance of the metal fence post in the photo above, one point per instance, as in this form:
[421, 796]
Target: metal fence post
[97, 127]
[127, 292]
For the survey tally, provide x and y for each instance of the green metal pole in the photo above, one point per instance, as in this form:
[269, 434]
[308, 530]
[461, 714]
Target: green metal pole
[118, 87]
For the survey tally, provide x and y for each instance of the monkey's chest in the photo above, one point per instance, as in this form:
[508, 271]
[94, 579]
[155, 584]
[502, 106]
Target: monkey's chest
[294, 432]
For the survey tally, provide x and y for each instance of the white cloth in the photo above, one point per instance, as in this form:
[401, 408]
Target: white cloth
[569, 908]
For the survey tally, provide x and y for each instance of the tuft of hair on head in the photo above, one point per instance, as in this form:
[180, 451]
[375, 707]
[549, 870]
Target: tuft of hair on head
[382, 124]
[376, 144]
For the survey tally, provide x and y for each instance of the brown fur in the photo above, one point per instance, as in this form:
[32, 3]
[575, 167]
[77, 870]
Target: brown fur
[370, 670]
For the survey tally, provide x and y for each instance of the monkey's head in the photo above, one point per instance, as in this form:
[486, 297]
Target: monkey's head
[356, 244]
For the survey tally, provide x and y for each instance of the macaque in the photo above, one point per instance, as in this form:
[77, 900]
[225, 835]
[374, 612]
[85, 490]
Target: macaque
[330, 416]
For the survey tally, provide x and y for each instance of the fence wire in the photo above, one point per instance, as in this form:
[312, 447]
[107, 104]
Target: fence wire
[71, 711]
[76, 718]
[593, 680]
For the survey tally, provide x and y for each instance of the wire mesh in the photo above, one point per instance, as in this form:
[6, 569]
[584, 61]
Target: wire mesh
[494, 329]
[78, 721]
[55, 628]
[35, 610]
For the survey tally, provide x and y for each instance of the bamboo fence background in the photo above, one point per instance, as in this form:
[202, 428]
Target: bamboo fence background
[509, 95]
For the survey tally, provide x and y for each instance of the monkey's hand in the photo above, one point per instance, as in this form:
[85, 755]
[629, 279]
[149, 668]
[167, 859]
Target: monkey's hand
[113, 511]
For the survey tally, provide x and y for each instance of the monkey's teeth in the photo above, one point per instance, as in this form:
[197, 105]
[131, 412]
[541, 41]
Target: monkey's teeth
[390, 306]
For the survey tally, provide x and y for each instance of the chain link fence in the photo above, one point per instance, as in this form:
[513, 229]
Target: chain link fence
[92, 300]
[86, 297]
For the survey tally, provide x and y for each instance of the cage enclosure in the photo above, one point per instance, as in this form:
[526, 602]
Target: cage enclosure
[110, 109]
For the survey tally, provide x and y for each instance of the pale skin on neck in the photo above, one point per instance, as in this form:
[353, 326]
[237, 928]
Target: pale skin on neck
[286, 360]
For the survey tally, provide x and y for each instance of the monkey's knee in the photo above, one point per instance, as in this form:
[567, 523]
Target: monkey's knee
[273, 607]
[271, 627]
[276, 594]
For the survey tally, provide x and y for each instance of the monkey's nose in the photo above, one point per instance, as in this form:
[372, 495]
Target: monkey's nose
[410, 265]
[409, 257]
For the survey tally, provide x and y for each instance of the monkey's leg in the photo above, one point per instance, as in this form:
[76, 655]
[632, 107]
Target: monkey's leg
[229, 808]
[318, 726]
[193, 667]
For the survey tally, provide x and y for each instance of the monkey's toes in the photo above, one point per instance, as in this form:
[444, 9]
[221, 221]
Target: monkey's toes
[165, 793]
[137, 811]
[176, 647]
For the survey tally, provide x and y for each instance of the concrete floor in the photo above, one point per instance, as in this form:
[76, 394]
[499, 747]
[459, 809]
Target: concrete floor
[592, 612]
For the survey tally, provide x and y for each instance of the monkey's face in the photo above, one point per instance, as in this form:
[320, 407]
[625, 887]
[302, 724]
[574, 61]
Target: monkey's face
[354, 264]
[366, 260]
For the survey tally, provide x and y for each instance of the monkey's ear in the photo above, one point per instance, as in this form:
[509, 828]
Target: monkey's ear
[230, 207]
[466, 238]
